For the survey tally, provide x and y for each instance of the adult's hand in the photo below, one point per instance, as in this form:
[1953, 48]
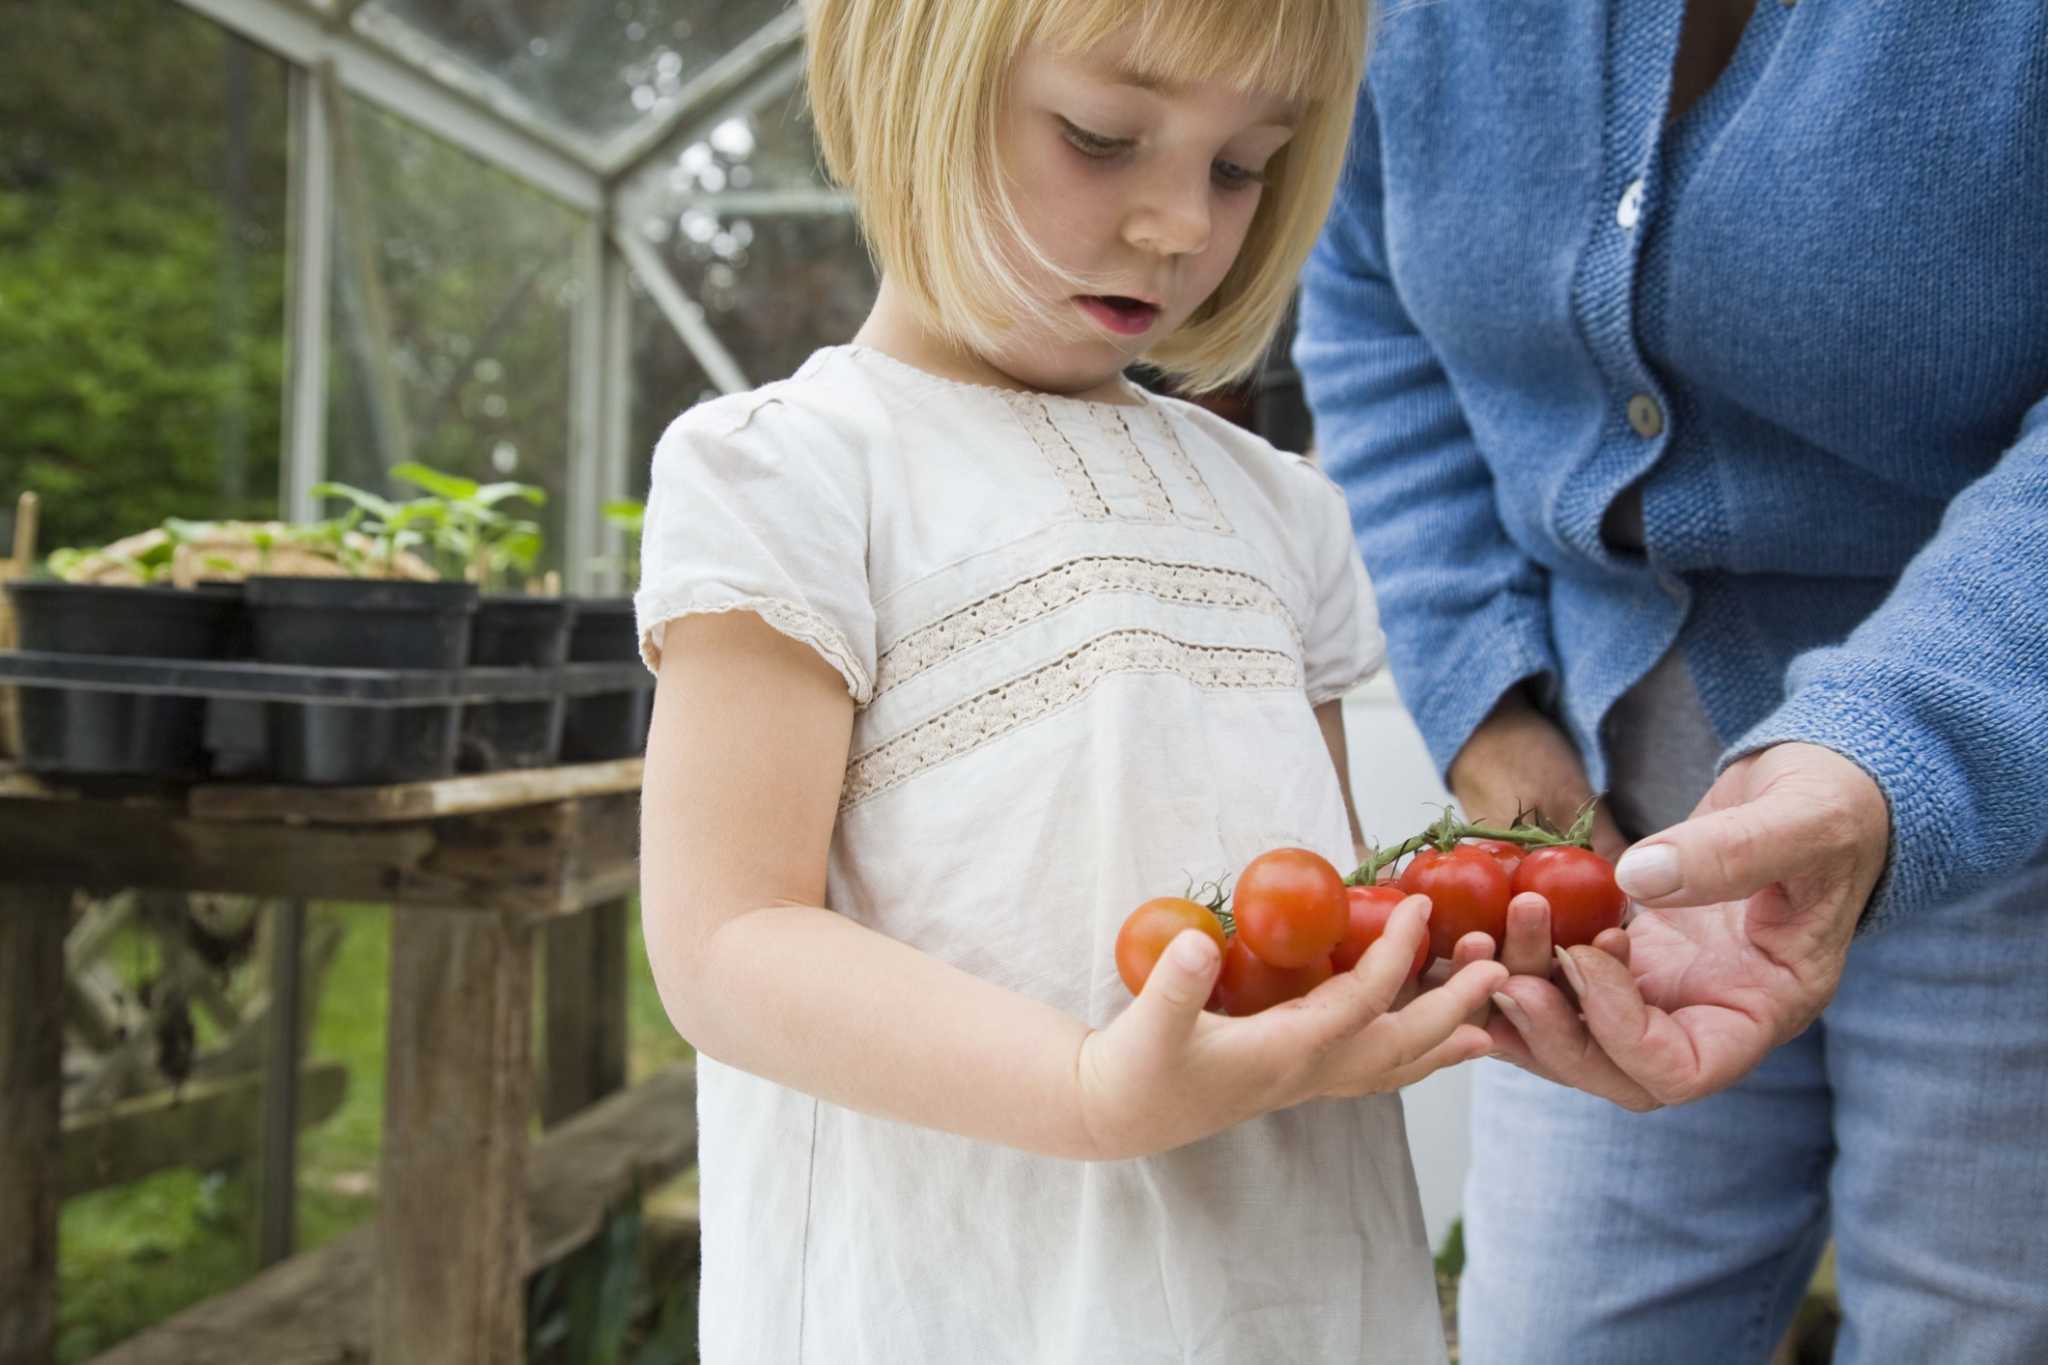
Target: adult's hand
[1745, 916]
[1519, 760]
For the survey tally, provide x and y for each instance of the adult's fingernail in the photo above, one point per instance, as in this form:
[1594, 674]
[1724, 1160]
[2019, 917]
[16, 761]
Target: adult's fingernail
[1505, 1003]
[1191, 950]
[1571, 973]
[1648, 871]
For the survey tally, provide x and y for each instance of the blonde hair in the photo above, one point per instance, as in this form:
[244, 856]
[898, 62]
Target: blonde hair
[906, 96]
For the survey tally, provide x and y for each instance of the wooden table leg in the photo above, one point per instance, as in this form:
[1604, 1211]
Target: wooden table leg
[451, 1223]
[278, 1203]
[586, 1010]
[32, 925]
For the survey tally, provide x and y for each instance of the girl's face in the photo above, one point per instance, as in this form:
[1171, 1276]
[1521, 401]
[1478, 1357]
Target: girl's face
[1144, 191]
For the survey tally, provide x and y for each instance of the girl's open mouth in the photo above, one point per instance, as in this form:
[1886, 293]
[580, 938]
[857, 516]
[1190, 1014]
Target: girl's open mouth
[1124, 316]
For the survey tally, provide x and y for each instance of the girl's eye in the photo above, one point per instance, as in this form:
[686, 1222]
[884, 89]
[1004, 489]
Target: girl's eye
[1093, 144]
[1231, 176]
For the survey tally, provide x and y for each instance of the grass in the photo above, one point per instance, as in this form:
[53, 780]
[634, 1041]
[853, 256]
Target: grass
[132, 1256]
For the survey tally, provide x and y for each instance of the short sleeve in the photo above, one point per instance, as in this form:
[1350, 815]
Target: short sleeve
[759, 504]
[1345, 645]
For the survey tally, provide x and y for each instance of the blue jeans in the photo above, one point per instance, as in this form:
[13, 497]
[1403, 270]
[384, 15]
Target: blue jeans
[1911, 1123]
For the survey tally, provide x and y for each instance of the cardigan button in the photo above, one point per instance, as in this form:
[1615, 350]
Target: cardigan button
[1646, 416]
[1629, 211]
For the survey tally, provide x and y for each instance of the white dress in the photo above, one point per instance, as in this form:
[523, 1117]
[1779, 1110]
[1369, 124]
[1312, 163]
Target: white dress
[1084, 641]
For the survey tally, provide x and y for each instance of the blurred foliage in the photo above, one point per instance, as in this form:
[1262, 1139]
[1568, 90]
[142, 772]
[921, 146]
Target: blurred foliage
[142, 182]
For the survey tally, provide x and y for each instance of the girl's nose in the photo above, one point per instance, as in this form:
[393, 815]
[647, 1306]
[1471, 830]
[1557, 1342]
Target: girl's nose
[1171, 217]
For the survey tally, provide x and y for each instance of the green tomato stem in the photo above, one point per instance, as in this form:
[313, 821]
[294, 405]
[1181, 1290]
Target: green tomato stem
[1445, 834]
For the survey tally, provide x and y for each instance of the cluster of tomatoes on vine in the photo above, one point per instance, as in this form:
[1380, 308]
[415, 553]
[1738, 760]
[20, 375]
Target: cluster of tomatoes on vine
[1292, 921]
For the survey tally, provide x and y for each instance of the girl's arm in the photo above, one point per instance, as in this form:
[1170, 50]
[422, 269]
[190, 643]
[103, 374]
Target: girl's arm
[1330, 718]
[744, 765]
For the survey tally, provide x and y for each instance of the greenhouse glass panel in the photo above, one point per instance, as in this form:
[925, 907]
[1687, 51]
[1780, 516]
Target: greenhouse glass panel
[775, 287]
[746, 222]
[666, 380]
[595, 68]
[454, 289]
[142, 239]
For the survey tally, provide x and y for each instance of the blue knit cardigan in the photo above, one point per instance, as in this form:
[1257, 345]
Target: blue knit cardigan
[1811, 316]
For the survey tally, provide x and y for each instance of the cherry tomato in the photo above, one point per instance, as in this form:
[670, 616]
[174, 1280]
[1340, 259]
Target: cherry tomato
[1579, 884]
[1510, 855]
[1290, 908]
[1249, 984]
[1151, 927]
[1467, 890]
[1370, 906]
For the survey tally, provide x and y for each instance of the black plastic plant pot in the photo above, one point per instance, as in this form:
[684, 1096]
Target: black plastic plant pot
[516, 632]
[605, 725]
[361, 623]
[94, 733]
[325, 744]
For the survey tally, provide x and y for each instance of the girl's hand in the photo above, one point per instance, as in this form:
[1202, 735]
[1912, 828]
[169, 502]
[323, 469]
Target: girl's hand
[1165, 1072]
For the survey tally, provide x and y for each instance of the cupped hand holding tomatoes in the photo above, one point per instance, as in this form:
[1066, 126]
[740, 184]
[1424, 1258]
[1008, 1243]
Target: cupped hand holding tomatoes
[1290, 907]
[1369, 908]
[1580, 888]
[1248, 984]
[1469, 890]
[1151, 927]
[1163, 1072]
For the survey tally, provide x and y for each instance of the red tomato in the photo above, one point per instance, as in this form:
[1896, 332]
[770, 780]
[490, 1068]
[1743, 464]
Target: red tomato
[1370, 906]
[1151, 927]
[1467, 890]
[1579, 884]
[1510, 855]
[1248, 984]
[1290, 908]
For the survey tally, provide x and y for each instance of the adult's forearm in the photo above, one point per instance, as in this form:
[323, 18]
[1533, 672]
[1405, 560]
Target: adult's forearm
[1942, 694]
[1463, 608]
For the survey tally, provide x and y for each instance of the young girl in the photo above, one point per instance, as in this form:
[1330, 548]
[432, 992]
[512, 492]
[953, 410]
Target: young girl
[966, 648]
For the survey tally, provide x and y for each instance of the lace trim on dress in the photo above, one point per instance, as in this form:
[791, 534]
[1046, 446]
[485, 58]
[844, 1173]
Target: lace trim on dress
[1018, 605]
[1066, 461]
[1209, 516]
[1158, 507]
[1009, 706]
[792, 619]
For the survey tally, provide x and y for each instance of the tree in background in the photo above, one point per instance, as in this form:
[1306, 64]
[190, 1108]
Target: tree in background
[142, 183]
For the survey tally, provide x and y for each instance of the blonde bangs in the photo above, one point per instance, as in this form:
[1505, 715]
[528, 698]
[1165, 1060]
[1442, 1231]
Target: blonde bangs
[1299, 49]
[906, 94]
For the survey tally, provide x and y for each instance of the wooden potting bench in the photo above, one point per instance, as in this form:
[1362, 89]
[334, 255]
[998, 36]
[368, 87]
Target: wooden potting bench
[476, 870]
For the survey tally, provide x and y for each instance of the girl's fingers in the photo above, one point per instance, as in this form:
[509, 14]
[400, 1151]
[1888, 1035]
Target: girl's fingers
[1473, 947]
[1432, 1017]
[1166, 1010]
[1369, 989]
[1527, 950]
[1465, 1044]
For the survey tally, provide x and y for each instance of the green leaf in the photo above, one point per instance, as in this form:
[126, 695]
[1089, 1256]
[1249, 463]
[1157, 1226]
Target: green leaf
[600, 1290]
[451, 486]
[491, 494]
[366, 501]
